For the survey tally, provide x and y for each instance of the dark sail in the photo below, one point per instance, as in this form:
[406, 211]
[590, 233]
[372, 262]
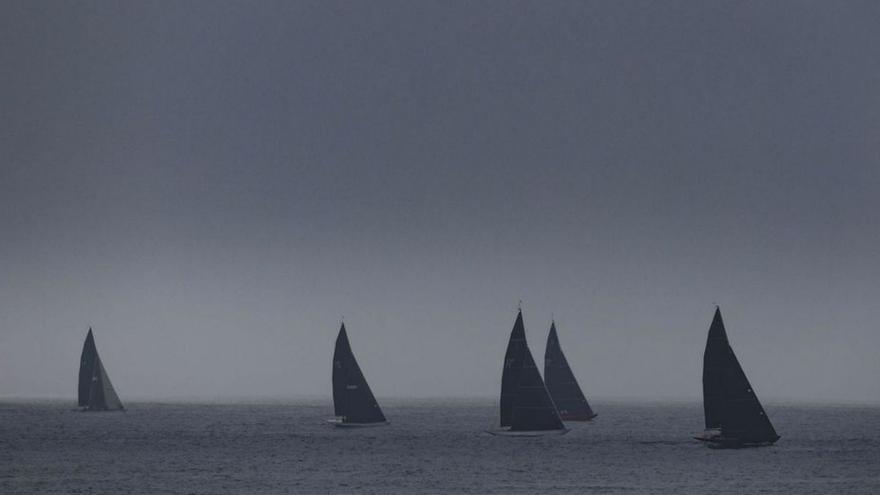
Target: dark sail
[533, 409]
[513, 362]
[86, 369]
[562, 384]
[729, 402]
[96, 392]
[353, 400]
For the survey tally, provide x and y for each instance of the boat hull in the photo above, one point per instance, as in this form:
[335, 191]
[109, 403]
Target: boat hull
[717, 441]
[341, 424]
[535, 433]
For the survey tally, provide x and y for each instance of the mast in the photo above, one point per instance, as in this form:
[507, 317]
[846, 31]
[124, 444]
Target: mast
[562, 384]
[353, 401]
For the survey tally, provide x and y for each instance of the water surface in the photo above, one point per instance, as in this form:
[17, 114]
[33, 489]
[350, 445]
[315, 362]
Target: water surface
[430, 447]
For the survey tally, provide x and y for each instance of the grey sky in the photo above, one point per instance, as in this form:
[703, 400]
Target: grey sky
[212, 185]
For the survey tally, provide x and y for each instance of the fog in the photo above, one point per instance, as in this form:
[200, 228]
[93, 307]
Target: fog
[214, 186]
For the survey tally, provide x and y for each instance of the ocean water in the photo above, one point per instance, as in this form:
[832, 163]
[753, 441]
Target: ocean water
[430, 447]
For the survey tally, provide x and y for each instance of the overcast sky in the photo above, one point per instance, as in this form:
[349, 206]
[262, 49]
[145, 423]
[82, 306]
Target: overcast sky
[213, 185]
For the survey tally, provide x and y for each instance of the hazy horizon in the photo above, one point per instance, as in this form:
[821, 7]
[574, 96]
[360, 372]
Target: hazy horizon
[213, 186]
[392, 400]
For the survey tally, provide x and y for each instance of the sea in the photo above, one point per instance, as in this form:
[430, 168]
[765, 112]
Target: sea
[431, 446]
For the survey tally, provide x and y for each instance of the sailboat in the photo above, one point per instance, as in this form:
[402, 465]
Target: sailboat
[561, 383]
[96, 393]
[353, 401]
[526, 406]
[734, 415]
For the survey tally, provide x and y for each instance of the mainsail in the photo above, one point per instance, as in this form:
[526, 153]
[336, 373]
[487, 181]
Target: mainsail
[513, 363]
[730, 405]
[562, 384]
[533, 409]
[353, 400]
[96, 392]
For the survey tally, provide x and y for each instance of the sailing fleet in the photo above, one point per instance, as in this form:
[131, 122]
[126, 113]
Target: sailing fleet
[530, 405]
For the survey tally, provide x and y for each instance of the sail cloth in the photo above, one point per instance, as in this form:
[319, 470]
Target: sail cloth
[86, 369]
[353, 400]
[96, 392]
[729, 402]
[562, 384]
[513, 363]
[533, 409]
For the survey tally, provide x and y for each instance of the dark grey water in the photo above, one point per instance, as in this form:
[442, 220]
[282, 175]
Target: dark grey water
[430, 447]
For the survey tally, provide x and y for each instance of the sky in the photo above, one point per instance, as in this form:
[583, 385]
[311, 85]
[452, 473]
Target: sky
[213, 186]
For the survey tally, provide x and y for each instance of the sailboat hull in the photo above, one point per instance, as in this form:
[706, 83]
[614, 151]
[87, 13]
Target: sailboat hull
[735, 443]
[342, 424]
[715, 440]
[538, 433]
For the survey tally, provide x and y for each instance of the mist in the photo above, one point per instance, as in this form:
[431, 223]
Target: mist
[214, 186]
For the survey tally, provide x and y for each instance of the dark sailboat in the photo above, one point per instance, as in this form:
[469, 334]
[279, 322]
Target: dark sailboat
[526, 406]
[734, 415]
[96, 392]
[562, 384]
[353, 401]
